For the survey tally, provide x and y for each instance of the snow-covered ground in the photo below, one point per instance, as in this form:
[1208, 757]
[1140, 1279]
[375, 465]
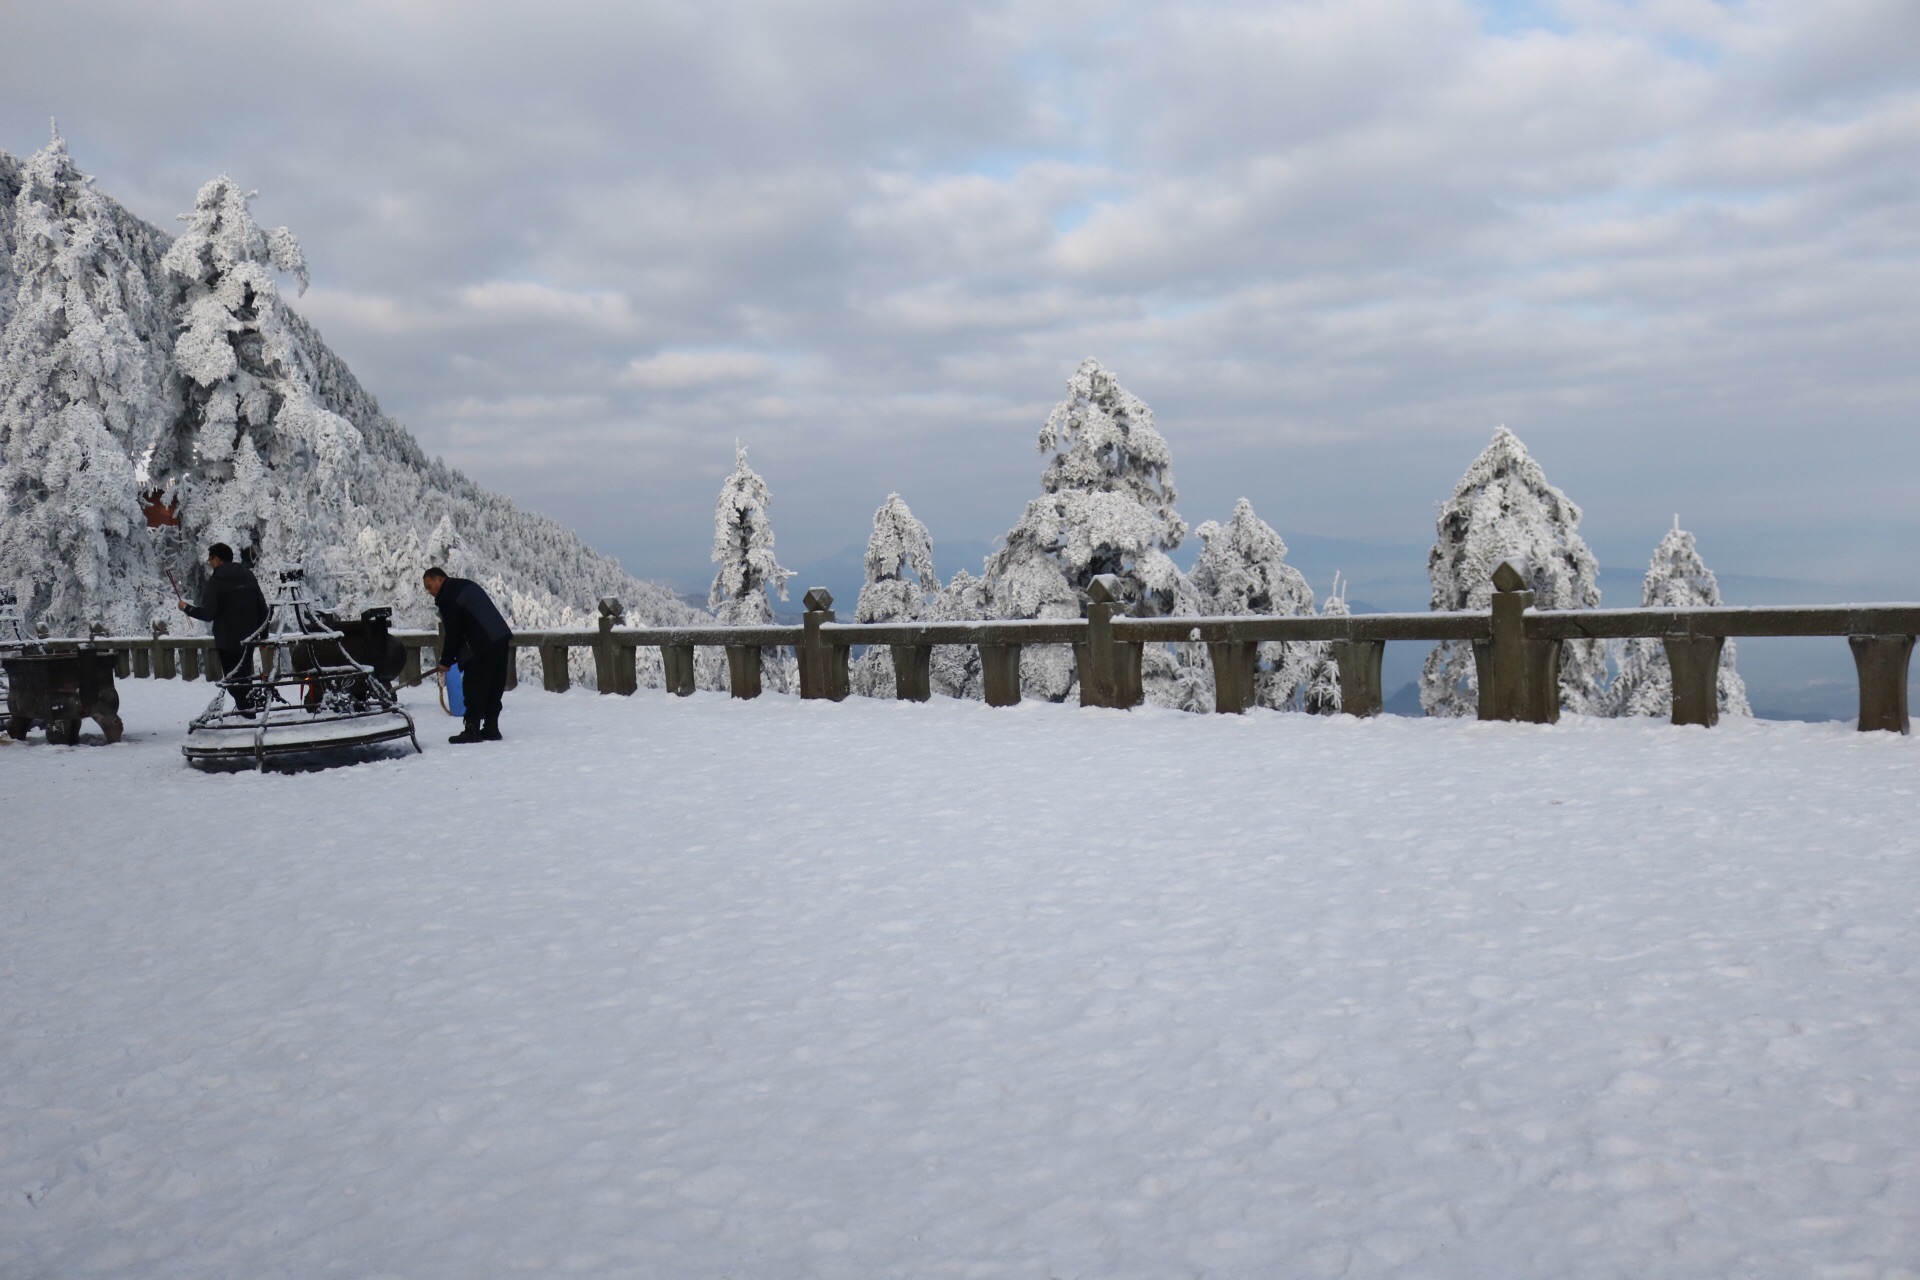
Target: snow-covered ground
[677, 988]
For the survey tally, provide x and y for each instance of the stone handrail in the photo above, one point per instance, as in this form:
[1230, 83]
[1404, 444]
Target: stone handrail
[1516, 650]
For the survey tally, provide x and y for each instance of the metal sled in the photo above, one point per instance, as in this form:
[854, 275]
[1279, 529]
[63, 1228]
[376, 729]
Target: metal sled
[310, 694]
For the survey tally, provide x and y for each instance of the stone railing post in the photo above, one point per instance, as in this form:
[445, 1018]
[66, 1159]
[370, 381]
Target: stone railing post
[189, 661]
[676, 660]
[1236, 667]
[554, 676]
[1882, 664]
[142, 656]
[1359, 663]
[1695, 664]
[912, 672]
[165, 666]
[1109, 668]
[1519, 678]
[823, 664]
[615, 668]
[1000, 673]
[743, 670]
[410, 669]
[122, 656]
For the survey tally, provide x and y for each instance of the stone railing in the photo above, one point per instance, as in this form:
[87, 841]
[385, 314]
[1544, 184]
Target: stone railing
[1516, 650]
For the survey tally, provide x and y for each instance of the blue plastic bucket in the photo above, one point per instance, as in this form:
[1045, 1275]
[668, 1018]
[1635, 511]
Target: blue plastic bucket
[456, 697]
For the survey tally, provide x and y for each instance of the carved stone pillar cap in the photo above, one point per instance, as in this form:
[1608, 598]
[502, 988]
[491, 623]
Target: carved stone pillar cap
[1511, 574]
[818, 600]
[1104, 589]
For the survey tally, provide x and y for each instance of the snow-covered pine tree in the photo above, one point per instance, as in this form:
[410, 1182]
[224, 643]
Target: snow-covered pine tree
[955, 668]
[1243, 569]
[83, 393]
[10, 181]
[1106, 507]
[743, 548]
[899, 546]
[1677, 578]
[1504, 507]
[1321, 694]
[259, 461]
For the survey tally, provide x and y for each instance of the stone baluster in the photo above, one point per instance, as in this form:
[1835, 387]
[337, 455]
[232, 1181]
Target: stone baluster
[165, 654]
[1000, 673]
[1694, 662]
[410, 669]
[554, 676]
[1359, 663]
[676, 662]
[743, 670]
[1882, 664]
[1236, 665]
[912, 672]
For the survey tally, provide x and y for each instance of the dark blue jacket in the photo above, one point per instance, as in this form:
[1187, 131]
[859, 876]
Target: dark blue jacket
[471, 621]
[232, 602]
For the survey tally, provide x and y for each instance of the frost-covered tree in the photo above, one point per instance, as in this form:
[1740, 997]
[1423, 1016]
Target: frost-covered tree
[954, 669]
[743, 548]
[1504, 508]
[83, 394]
[259, 460]
[1677, 578]
[10, 182]
[900, 576]
[1106, 507]
[1242, 570]
[1320, 695]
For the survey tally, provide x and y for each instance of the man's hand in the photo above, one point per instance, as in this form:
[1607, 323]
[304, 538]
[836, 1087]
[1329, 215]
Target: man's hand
[443, 668]
[182, 604]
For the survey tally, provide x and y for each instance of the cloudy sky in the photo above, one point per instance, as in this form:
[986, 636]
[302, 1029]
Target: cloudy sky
[581, 249]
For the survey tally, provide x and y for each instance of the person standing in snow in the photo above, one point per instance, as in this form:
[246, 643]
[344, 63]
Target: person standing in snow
[233, 603]
[479, 639]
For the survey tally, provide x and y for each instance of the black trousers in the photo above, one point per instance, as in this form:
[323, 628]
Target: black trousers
[483, 679]
[236, 665]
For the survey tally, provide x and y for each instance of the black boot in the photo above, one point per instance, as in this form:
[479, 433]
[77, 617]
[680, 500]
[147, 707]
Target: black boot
[471, 733]
[490, 729]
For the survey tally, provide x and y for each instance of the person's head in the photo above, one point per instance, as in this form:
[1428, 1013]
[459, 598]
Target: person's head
[434, 578]
[218, 554]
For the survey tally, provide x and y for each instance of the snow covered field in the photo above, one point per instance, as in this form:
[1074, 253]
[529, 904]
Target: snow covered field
[677, 988]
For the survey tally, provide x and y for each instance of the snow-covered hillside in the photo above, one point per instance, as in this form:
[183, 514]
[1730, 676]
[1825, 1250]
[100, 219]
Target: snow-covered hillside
[698, 987]
[240, 416]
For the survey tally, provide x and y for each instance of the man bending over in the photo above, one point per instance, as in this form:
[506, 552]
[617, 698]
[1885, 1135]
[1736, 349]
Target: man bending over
[478, 638]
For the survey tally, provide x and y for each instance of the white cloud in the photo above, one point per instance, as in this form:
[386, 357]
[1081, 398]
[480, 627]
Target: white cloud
[526, 301]
[686, 370]
[1675, 244]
